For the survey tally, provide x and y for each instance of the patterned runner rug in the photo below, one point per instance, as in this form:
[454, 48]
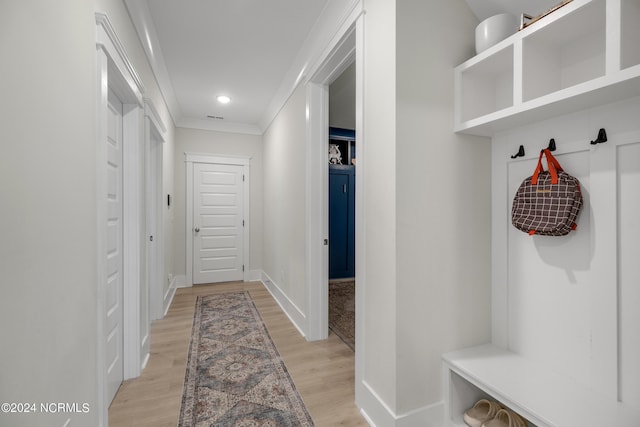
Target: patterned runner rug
[342, 311]
[235, 376]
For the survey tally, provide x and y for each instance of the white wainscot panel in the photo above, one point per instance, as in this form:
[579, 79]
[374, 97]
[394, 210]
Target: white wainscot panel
[629, 271]
[549, 305]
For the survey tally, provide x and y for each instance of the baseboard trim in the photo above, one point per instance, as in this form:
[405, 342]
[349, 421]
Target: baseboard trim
[181, 281]
[373, 408]
[428, 416]
[145, 361]
[168, 296]
[254, 276]
[377, 413]
[295, 315]
[366, 418]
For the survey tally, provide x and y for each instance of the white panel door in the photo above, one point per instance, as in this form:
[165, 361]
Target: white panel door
[218, 223]
[114, 263]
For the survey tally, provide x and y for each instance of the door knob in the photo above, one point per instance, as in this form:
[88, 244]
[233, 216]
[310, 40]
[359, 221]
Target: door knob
[197, 229]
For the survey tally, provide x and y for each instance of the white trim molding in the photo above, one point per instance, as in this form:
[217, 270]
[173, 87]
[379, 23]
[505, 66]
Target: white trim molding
[114, 71]
[143, 23]
[219, 126]
[245, 162]
[180, 281]
[155, 136]
[295, 315]
[333, 60]
[378, 413]
[108, 41]
[337, 17]
[317, 212]
[255, 275]
[151, 112]
[361, 220]
[168, 296]
[133, 235]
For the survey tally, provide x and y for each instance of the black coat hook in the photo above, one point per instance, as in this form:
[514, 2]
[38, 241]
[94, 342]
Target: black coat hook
[552, 145]
[602, 137]
[520, 153]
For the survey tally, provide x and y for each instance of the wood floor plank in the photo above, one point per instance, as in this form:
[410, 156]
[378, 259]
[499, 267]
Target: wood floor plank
[323, 371]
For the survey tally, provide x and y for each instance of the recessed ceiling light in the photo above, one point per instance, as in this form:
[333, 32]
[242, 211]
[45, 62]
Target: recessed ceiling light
[223, 99]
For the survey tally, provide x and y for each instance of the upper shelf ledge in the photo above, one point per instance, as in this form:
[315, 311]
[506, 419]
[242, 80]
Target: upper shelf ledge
[582, 55]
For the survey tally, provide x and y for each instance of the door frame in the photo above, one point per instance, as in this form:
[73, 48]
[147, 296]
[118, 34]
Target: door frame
[190, 159]
[114, 71]
[348, 48]
[155, 137]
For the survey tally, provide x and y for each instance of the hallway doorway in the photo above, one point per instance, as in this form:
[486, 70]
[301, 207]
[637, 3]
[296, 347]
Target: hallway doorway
[342, 165]
[349, 50]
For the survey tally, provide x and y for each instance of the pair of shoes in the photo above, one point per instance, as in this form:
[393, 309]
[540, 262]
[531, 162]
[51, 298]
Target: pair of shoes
[483, 411]
[486, 413]
[506, 418]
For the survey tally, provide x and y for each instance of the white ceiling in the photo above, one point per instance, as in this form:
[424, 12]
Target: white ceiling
[200, 49]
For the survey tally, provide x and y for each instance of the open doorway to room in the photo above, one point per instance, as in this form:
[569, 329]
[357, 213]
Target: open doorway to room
[348, 50]
[341, 205]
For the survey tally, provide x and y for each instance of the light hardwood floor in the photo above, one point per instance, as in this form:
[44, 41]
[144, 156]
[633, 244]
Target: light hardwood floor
[322, 371]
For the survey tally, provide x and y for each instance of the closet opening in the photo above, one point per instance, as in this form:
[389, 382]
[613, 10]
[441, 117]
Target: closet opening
[341, 163]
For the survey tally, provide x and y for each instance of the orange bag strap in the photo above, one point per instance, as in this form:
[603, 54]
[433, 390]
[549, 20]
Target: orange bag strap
[552, 164]
[553, 160]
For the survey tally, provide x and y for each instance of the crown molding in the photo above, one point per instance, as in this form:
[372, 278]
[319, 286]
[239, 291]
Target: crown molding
[143, 23]
[107, 39]
[152, 113]
[334, 23]
[219, 126]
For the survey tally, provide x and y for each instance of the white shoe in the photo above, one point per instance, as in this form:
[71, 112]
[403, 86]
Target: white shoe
[506, 418]
[483, 411]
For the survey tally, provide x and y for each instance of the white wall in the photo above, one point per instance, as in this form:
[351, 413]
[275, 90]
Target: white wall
[427, 204]
[284, 199]
[48, 225]
[226, 144]
[443, 202]
[380, 356]
[48, 255]
[342, 100]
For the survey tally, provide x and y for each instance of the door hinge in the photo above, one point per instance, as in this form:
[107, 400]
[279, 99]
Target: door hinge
[243, 222]
[243, 178]
[243, 267]
[151, 238]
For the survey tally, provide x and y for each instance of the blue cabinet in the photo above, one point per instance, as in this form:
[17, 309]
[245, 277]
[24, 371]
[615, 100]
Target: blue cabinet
[342, 204]
[342, 186]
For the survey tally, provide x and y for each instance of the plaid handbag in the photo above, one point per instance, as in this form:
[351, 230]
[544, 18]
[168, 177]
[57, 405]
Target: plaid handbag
[548, 202]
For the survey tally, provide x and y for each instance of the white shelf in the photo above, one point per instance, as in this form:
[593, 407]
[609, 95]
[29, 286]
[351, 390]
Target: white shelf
[630, 33]
[566, 52]
[543, 397]
[488, 85]
[583, 55]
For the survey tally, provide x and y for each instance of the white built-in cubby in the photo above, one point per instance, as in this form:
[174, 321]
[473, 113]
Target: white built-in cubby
[489, 88]
[565, 316]
[583, 54]
[630, 34]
